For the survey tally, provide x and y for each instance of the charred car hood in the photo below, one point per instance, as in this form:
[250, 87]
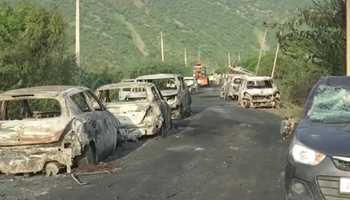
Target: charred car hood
[29, 132]
[330, 139]
[261, 92]
[129, 114]
[167, 93]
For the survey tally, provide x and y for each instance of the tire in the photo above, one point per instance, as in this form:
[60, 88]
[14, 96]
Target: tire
[163, 131]
[181, 111]
[91, 155]
[245, 103]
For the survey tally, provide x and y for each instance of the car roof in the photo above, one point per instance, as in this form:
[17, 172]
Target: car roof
[258, 78]
[340, 81]
[157, 76]
[124, 85]
[188, 77]
[40, 92]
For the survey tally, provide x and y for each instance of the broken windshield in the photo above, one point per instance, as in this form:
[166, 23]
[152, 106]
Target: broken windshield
[330, 105]
[259, 84]
[123, 95]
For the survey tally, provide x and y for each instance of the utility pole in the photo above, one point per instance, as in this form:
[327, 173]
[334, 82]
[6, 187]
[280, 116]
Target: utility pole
[77, 31]
[185, 57]
[199, 55]
[162, 46]
[261, 52]
[275, 61]
[347, 37]
[229, 59]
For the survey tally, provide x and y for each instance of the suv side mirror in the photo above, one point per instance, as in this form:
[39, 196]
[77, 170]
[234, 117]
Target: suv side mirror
[287, 128]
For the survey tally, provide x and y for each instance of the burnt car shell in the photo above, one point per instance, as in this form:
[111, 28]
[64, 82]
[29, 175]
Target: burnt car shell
[145, 115]
[29, 144]
[321, 181]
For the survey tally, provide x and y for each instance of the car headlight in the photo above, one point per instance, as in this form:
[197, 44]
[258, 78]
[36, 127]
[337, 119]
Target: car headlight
[305, 155]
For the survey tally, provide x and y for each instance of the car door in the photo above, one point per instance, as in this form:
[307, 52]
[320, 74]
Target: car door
[108, 125]
[95, 123]
[163, 105]
[186, 96]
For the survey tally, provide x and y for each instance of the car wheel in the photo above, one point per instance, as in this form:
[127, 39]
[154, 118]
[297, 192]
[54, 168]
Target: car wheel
[52, 169]
[276, 103]
[163, 130]
[91, 155]
[181, 112]
[245, 103]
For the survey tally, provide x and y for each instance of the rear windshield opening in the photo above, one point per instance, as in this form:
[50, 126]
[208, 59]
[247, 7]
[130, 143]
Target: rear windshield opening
[164, 84]
[29, 109]
[259, 84]
[123, 95]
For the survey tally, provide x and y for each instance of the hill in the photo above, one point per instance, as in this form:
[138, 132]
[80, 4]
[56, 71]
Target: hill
[122, 34]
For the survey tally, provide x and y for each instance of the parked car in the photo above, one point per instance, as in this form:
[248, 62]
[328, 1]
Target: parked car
[53, 127]
[258, 91]
[231, 86]
[319, 154]
[139, 106]
[174, 90]
[191, 84]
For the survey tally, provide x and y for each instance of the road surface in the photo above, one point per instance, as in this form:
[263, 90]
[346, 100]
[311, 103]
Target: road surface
[221, 152]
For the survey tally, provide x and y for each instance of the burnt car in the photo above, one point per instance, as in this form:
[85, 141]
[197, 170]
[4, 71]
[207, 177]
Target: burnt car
[191, 84]
[319, 154]
[140, 108]
[258, 91]
[231, 86]
[52, 128]
[174, 90]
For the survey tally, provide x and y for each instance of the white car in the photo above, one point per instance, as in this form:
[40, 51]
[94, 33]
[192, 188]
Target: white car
[174, 90]
[258, 91]
[139, 106]
[191, 84]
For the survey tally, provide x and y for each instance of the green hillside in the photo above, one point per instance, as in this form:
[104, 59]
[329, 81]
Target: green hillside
[121, 34]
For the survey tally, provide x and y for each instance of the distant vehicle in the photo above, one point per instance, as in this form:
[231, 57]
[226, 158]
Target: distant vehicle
[191, 84]
[53, 127]
[174, 90]
[200, 74]
[319, 154]
[231, 86]
[258, 91]
[139, 106]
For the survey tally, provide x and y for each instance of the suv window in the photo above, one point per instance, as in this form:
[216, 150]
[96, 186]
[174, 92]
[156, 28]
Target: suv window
[80, 101]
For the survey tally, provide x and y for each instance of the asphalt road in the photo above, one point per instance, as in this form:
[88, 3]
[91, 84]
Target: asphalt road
[221, 152]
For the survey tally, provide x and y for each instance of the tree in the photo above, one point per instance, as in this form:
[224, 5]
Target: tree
[33, 48]
[317, 35]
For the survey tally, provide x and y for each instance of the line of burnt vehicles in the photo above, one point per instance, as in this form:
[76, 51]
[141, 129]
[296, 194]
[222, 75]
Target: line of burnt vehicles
[250, 91]
[52, 129]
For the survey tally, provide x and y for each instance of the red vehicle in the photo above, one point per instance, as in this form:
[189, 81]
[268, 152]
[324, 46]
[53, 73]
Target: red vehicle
[200, 75]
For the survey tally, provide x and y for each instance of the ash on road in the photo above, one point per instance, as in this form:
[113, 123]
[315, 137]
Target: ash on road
[220, 152]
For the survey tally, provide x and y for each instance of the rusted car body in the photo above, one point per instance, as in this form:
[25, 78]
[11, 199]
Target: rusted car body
[258, 91]
[50, 128]
[174, 90]
[139, 106]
